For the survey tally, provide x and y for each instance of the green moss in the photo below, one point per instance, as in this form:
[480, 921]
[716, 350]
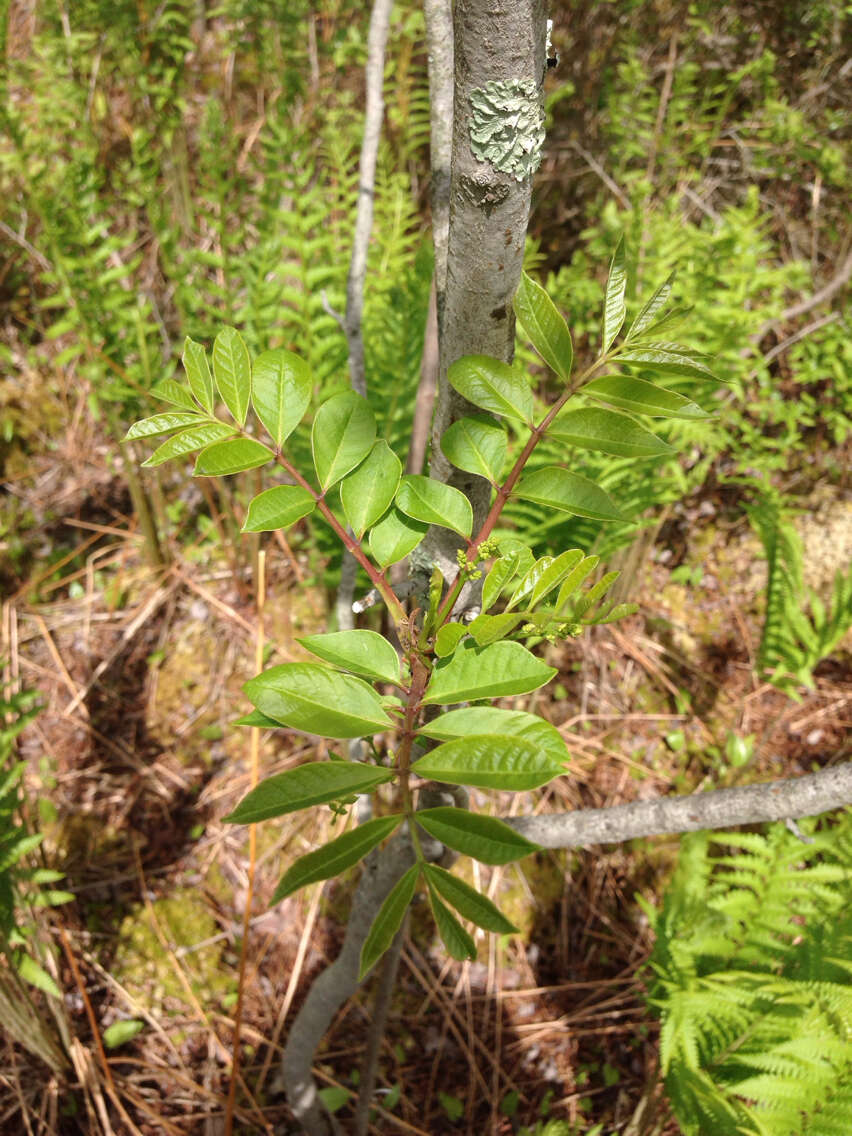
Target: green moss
[144, 968]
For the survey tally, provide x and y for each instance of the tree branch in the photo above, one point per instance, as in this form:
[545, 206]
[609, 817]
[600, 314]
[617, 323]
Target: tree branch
[722, 808]
[376, 40]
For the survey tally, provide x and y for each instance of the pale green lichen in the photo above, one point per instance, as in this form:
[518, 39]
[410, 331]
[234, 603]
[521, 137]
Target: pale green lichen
[507, 126]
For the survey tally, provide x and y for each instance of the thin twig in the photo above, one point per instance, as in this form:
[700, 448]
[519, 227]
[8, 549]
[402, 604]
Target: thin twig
[254, 762]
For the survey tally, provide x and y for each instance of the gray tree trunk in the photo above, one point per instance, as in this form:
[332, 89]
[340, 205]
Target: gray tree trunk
[499, 62]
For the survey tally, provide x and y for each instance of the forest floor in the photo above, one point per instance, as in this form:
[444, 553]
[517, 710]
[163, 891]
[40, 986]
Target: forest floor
[133, 761]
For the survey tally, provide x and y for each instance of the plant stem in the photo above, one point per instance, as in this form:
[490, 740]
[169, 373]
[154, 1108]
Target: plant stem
[420, 674]
[379, 580]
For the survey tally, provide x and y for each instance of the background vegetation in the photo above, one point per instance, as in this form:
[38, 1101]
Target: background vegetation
[167, 168]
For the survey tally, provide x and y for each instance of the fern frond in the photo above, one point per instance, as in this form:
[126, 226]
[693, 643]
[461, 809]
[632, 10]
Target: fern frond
[752, 962]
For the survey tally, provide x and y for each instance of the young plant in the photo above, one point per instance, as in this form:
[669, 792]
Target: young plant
[447, 659]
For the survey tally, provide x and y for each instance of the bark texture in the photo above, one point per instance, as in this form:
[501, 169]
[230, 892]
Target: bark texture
[498, 42]
[722, 808]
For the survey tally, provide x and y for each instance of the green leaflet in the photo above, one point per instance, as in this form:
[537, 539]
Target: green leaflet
[314, 783]
[456, 939]
[596, 592]
[119, 1033]
[335, 857]
[496, 671]
[281, 387]
[163, 423]
[614, 307]
[476, 445]
[364, 652]
[367, 492]
[669, 359]
[649, 312]
[196, 438]
[343, 434]
[574, 579]
[502, 571]
[176, 393]
[389, 920]
[482, 837]
[559, 489]
[448, 638]
[197, 369]
[643, 398]
[394, 537]
[490, 761]
[318, 700]
[232, 370]
[545, 326]
[235, 456]
[607, 432]
[433, 503]
[529, 580]
[467, 901]
[487, 629]
[553, 575]
[34, 973]
[493, 720]
[278, 508]
[492, 385]
[255, 718]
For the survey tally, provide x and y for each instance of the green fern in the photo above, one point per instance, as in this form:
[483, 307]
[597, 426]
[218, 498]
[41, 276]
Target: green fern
[753, 961]
[793, 643]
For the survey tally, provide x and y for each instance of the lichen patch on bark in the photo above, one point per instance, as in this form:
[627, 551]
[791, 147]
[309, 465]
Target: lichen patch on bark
[507, 126]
